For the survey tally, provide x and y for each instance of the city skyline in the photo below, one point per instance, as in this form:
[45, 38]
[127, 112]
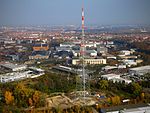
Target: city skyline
[66, 12]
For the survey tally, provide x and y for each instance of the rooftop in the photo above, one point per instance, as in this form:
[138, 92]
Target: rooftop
[42, 53]
[11, 66]
[110, 75]
[67, 43]
[40, 45]
[109, 67]
[141, 68]
[138, 110]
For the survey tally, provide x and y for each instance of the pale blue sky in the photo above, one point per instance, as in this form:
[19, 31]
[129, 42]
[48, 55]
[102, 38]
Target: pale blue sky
[68, 12]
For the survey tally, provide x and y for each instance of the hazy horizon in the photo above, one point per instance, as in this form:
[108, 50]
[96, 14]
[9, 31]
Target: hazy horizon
[67, 12]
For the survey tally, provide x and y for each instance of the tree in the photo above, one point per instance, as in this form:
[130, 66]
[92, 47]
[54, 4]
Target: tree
[30, 102]
[109, 100]
[115, 100]
[147, 97]
[22, 94]
[23, 90]
[36, 97]
[142, 96]
[8, 97]
[136, 89]
[103, 84]
[112, 62]
[118, 100]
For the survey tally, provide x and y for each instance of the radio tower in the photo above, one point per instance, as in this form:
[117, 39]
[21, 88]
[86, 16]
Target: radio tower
[83, 80]
[82, 53]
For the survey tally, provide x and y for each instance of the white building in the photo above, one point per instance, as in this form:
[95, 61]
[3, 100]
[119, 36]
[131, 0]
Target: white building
[14, 76]
[110, 76]
[13, 67]
[133, 110]
[9, 42]
[125, 52]
[139, 70]
[102, 50]
[121, 66]
[129, 62]
[121, 80]
[89, 61]
[137, 110]
[90, 45]
[67, 44]
[91, 53]
[106, 68]
[115, 78]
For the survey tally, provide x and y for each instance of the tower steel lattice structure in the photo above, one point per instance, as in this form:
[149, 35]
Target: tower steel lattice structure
[83, 84]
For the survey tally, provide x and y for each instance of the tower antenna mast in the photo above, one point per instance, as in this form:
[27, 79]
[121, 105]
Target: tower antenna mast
[83, 50]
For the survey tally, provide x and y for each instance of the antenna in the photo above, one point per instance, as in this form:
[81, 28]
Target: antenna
[82, 53]
[82, 81]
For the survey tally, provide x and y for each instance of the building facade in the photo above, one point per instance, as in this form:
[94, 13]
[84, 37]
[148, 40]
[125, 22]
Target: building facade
[89, 61]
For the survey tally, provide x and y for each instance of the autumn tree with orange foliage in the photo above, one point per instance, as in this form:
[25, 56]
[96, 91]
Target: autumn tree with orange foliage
[116, 100]
[36, 97]
[8, 97]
